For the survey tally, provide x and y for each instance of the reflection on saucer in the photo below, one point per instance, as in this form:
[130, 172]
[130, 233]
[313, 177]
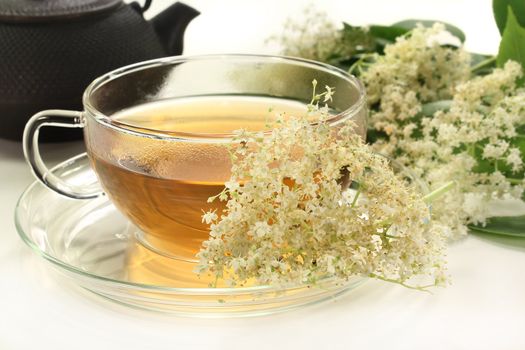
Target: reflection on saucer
[152, 262]
[145, 266]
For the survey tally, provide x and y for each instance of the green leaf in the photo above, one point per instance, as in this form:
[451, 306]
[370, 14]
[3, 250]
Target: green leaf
[428, 109]
[482, 64]
[356, 40]
[483, 165]
[477, 58]
[373, 135]
[411, 24]
[512, 45]
[503, 225]
[500, 8]
[387, 33]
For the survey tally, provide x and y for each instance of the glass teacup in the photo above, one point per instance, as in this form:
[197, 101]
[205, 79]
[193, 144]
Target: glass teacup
[157, 133]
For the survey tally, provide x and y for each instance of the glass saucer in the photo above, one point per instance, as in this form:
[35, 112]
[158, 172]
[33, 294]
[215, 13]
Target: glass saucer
[90, 242]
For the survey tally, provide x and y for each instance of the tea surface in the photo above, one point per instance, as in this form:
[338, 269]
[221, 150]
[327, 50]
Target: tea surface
[163, 186]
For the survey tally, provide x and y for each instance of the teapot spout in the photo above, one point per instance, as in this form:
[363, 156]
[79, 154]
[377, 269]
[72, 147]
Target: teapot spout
[170, 25]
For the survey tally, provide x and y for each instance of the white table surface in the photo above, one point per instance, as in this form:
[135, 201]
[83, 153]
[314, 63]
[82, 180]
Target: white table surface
[484, 308]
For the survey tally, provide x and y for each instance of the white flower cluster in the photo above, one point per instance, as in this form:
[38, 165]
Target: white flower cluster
[306, 202]
[413, 71]
[314, 37]
[471, 143]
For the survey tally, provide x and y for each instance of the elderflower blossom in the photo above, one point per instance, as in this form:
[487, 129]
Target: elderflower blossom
[414, 70]
[485, 113]
[415, 64]
[469, 144]
[476, 143]
[514, 159]
[292, 217]
[314, 37]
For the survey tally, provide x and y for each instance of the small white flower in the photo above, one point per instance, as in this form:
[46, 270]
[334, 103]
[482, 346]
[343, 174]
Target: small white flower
[238, 263]
[495, 150]
[475, 205]
[328, 94]
[209, 217]
[261, 229]
[232, 186]
[329, 261]
[514, 159]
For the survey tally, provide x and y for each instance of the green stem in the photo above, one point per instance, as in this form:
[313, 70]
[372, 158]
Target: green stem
[485, 63]
[402, 283]
[360, 61]
[478, 147]
[439, 192]
[353, 68]
[354, 201]
[314, 85]
[471, 150]
[385, 234]
[515, 181]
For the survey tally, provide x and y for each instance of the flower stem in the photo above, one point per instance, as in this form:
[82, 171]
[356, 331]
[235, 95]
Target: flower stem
[354, 201]
[402, 283]
[485, 63]
[359, 62]
[429, 198]
[515, 181]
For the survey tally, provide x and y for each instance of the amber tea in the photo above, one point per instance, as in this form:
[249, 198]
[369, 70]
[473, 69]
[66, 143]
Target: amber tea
[164, 189]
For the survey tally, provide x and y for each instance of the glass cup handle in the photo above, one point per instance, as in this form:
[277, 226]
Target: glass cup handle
[62, 119]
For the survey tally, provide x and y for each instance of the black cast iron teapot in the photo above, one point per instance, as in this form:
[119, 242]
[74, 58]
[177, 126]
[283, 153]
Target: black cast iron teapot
[50, 50]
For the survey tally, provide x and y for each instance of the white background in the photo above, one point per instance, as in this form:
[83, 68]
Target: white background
[484, 308]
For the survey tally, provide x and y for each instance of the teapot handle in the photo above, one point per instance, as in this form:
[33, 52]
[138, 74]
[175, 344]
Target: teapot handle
[170, 25]
[57, 118]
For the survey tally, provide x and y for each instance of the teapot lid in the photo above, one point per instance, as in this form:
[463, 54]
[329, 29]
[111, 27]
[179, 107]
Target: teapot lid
[29, 11]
